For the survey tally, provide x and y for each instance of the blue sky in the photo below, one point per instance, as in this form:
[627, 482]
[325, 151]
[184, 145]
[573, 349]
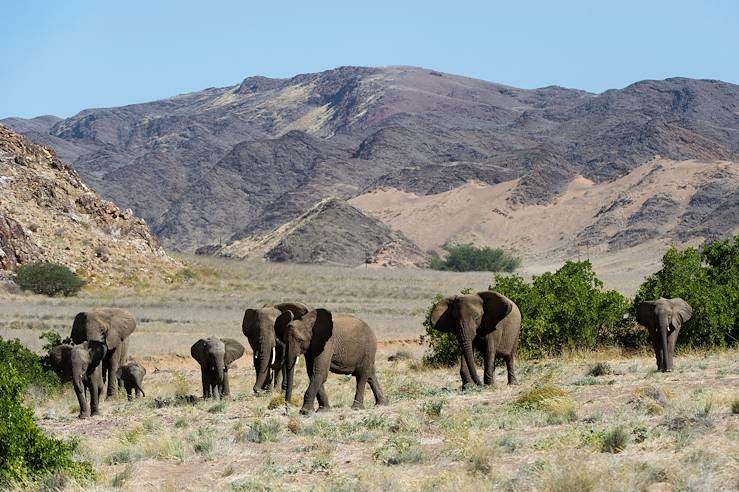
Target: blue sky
[61, 57]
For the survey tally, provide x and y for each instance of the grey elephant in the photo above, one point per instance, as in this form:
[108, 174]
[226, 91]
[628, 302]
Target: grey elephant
[487, 321]
[214, 356]
[265, 337]
[111, 327]
[131, 376]
[663, 318]
[342, 345]
[81, 364]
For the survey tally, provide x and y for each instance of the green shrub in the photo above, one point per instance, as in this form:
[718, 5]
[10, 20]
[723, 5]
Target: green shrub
[399, 450]
[468, 258]
[567, 308]
[50, 279]
[26, 454]
[708, 280]
[29, 366]
[615, 440]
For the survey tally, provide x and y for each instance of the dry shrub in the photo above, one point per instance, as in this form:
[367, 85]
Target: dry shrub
[556, 402]
[279, 401]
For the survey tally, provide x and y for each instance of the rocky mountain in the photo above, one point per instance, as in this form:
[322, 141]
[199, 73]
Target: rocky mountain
[331, 231]
[47, 213]
[236, 162]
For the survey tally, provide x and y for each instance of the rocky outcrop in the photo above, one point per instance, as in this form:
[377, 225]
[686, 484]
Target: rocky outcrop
[47, 213]
[331, 232]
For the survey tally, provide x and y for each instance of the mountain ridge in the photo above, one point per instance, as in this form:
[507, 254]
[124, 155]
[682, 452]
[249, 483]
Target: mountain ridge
[228, 163]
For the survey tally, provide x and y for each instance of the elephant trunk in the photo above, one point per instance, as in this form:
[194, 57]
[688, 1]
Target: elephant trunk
[469, 357]
[663, 327]
[262, 365]
[289, 373]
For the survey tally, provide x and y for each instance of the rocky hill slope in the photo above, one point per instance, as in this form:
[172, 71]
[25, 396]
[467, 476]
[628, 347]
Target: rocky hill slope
[334, 232]
[47, 213]
[234, 162]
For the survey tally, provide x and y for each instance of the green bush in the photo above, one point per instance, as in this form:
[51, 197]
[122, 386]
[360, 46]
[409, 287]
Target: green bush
[26, 454]
[708, 280]
[50, 279]
[29, 366]
[468, 258]
[568, 308]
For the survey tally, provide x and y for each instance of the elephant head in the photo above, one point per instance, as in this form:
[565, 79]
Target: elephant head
[81, 365]
[110, 326]
[214, 356]
[302, 335]
[664, 318]
[264, 328]
[471, 316]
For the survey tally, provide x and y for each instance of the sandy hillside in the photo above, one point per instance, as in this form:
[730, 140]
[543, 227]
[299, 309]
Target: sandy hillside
[596, 221]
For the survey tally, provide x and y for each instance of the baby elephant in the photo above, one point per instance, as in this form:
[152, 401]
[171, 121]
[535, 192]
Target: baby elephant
[81, 364]
[214, 356]
[132, 377]
[342, 345]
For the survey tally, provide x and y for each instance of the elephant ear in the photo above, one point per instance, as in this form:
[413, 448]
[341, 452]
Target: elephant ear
[250, 318]
[119, 373]
[323, 328]
[198, 351]
[120, 326]
[681, 312]
[79, 328]
[496, 307]
[298, 309]
[281, 325]
[644, 313]
[234, 350]
[442, 318]
[96, 351]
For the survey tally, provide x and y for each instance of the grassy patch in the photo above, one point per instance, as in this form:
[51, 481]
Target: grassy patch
[556, 402]
[399, 450]
[615, 440]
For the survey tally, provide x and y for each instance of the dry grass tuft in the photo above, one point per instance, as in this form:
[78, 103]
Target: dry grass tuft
[278, 401]
[556, 402]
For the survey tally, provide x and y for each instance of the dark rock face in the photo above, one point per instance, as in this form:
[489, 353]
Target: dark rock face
[229, 162]
[334, 232]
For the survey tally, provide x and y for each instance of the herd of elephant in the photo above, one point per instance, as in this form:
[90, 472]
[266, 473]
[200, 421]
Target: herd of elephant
[278, 334]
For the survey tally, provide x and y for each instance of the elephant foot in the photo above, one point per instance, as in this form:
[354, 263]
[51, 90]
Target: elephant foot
[324, 409]
[513, 382]
[381, 402]
[95, 413]
[357, 406]
[82, 416]
[306, 411]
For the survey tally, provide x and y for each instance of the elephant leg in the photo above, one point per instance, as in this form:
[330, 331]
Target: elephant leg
[657, 346]
[464, 372]
[671, 341]
[226, 387]
[129, 390]
[322, 396]
[79, 390]
[376, 389]
[318, 377]
[206, 384]
[468, 356]
[488, 346]
[94, 384]
[359, 394]
[511, 368]
[112, 379]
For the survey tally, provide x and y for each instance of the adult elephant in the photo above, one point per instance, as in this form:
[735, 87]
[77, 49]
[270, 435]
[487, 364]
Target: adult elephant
[214, 356]
[663, 318]
[82, 364]
[488, 321]
[111, 327]
[266, 338]
[342, 345]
